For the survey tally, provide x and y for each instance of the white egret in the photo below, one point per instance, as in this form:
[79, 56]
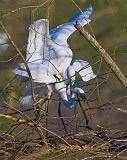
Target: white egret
[49, 57]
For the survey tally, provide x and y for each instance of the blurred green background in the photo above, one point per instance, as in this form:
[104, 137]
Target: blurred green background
[109, 25]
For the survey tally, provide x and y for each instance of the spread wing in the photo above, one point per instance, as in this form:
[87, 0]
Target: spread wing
[37, 41]
[39, 73]
[61, 33]
[84, 69]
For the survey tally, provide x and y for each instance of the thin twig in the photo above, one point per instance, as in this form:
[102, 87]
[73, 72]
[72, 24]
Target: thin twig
[21, 55]
[29, 121]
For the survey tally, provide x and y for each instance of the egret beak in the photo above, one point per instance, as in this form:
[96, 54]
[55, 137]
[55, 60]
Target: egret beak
[72, 84]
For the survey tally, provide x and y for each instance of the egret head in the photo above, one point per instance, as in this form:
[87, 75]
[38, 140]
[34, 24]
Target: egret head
[79, 91]
[74, 90]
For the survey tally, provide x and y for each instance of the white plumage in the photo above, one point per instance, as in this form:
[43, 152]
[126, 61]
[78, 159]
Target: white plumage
[49, 57]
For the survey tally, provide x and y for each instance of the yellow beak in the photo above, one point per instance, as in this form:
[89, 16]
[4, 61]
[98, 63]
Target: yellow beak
[71, 86]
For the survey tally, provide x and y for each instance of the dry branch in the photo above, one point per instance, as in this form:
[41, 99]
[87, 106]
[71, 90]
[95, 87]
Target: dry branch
[11, 118]
[37, 107]
[103, 53]
[21, 55]
[26, 119]
[24, 7]
[31, 124]
[122, 110]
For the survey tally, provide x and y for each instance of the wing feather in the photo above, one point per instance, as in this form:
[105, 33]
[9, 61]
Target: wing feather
[84, 69]
[61, 33]
[37, 41]
[39, 73]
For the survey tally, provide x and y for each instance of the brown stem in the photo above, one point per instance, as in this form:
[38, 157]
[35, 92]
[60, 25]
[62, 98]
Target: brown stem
[21, 55]
[103, 53]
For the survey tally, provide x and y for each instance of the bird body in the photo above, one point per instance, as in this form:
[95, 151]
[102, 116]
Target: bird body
[49, 57]
[44, 72]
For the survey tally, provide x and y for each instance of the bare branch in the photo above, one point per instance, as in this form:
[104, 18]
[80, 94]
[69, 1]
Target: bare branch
[21, 55]
[103, 53]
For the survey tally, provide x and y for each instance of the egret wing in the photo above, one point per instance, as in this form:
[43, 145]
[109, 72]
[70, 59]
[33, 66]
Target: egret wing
[84, 69]
[26, 100]
[37, 41]
[39, 73]
[61, 33]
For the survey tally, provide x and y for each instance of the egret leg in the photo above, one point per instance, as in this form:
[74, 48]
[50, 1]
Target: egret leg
[84, 113]
[59, 112]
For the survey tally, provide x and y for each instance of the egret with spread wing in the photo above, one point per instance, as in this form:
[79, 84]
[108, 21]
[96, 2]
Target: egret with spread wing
[49, 56]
